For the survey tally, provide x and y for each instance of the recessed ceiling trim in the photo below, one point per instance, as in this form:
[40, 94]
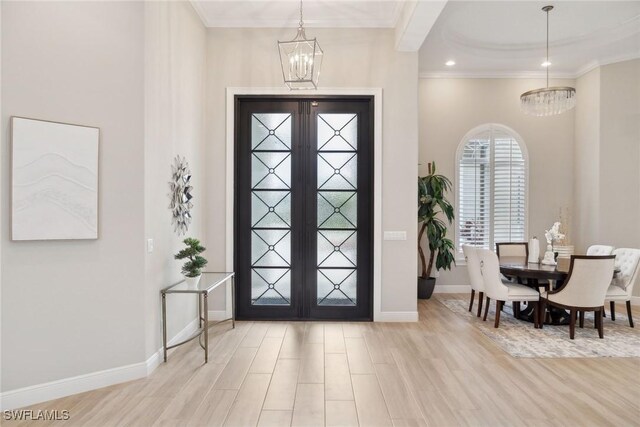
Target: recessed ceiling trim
[499, 39]
[526, 74]
[493, 75]
[629, 28]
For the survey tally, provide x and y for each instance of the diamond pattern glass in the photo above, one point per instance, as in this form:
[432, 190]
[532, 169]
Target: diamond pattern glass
[337, 286]
[271, 170]
[337, 206]
[271, 248]
[271, 286]
[271, 209]
[337, 209]
[337, 132]
[271, 131]
[337, 171]
[337, 248]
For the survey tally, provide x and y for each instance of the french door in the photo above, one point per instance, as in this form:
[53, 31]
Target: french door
[303, 207]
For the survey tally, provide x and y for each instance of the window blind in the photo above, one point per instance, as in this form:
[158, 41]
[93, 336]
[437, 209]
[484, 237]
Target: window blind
[491, 190]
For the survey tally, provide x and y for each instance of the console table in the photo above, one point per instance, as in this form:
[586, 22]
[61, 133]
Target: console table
[208, 282]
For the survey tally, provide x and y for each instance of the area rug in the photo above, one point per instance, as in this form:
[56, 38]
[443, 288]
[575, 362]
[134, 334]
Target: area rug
[521, 339]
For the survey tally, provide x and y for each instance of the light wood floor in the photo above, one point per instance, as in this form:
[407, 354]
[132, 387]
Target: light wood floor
[441, 371]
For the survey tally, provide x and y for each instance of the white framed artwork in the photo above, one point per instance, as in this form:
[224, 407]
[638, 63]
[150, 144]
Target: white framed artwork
[54, 181]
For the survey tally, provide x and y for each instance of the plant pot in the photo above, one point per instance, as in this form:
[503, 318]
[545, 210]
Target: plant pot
[425, 287]
[192, 282]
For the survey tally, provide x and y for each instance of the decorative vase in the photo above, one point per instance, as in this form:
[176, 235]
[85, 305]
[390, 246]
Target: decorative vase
[425, 287]
[192, 282]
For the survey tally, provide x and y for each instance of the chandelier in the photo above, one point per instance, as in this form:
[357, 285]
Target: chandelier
[301, 59]
[548, 101]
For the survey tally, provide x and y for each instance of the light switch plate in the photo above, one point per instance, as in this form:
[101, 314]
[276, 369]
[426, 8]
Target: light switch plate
[149, 245]
[395, 235]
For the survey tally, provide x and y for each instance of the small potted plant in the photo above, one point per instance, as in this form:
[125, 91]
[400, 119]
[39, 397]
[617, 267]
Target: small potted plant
[192, 269]
[431, 204]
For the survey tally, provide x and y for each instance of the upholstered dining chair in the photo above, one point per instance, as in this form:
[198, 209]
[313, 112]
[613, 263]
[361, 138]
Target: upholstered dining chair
[600, 250]
[583, 290]
[475, 275]
[513, 249]
[621, 288]
[496, 289]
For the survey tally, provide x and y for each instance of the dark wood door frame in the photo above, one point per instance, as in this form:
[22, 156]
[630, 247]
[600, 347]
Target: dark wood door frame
[302, 300]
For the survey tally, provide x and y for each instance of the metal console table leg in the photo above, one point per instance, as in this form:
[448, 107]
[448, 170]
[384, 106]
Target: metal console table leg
[202, 293]
[205, 328]
[164, 325]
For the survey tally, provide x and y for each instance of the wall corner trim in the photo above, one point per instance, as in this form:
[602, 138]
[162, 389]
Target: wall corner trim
[67, 386]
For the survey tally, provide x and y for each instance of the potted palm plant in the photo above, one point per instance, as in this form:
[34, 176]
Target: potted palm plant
[432, 204]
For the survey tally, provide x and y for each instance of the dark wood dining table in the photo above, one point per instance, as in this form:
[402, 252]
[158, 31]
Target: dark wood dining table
[536, 275]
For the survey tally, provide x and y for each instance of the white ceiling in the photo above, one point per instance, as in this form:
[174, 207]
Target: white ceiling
[484, 38]
[285, 13]
[507, 38]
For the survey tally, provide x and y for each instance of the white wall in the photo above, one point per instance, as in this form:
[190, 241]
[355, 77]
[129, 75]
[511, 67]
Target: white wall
[619, 154]
[607, 150]
[175, 55]
[587, 159]
[74, 307]
[449, 108]
[353, 58]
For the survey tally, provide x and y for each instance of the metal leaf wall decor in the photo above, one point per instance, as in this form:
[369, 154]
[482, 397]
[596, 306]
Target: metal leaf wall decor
[180, 195]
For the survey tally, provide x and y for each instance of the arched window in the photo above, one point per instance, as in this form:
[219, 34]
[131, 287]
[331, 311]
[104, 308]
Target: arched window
[491, 179]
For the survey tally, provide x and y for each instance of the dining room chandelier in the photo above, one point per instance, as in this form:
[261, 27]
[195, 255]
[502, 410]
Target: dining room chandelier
[548, 101]
[301, 59]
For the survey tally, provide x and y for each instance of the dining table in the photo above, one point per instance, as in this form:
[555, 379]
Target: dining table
[536, 275]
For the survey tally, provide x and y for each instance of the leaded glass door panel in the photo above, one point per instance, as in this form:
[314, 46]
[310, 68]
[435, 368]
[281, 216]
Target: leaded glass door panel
[303, 240]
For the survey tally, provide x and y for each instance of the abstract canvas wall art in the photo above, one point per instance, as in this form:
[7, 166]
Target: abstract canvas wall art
[54, 180]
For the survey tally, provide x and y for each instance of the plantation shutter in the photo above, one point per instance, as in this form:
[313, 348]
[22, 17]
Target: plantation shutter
[491, 190]
[508, 190]
[474, 195]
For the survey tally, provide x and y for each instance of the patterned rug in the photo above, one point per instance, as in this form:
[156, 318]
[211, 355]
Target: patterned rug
[521, 339]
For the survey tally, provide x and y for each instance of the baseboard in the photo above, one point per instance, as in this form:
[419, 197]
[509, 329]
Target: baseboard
[67, 386]
[452, 289]
[397, 316]
[156, 358]
[217, 315]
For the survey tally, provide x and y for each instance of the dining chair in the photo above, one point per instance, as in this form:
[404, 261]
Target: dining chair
[496, 289]
[513, 249]
[584, 289]
[475, 275]
[600, 250]
[621, 288]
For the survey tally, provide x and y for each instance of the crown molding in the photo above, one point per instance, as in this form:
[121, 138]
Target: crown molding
[613, 60]
[388, 22]
[198, 8]
[527, 74]
[494, 75]
[310, 23]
